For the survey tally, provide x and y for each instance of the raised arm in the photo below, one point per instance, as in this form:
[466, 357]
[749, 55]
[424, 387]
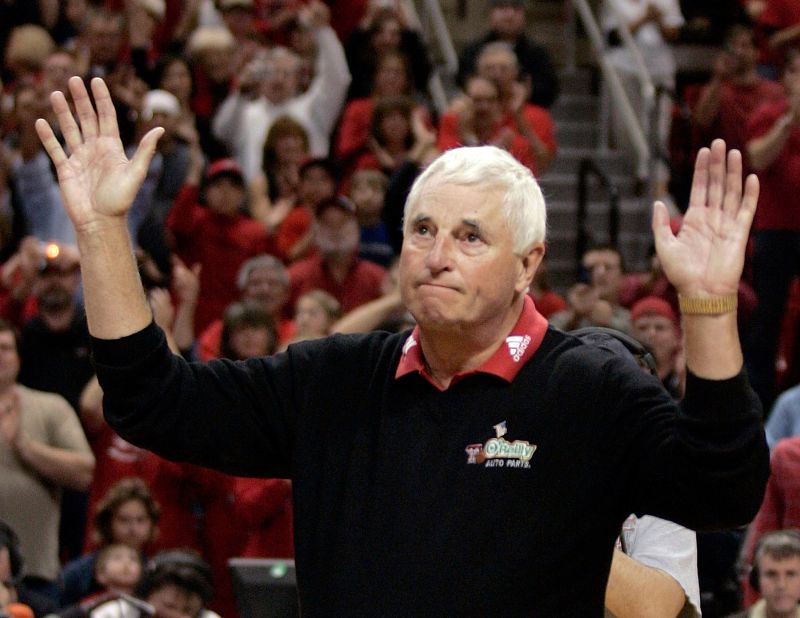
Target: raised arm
[704, 261]
[98, 184]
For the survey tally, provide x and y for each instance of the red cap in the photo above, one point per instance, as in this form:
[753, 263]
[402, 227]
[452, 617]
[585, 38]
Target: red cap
[227, 167]
[653, 305]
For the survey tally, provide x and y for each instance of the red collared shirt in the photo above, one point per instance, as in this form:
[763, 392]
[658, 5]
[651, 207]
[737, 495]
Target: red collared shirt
[518, 347]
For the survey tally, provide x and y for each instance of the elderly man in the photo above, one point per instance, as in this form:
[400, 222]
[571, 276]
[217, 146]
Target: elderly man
[243, 122]
[462, 467]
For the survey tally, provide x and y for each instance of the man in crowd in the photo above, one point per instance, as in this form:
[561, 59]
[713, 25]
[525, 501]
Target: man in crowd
[773, 148]
[42, 451]
[507, 24]
[735, 90]
[776, 576]
[449, 470]
[269, 89]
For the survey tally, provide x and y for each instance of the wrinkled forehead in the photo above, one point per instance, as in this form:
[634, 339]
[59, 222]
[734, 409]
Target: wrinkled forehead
[439, 198]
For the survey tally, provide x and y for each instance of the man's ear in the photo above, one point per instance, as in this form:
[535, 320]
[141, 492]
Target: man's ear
[529, 264]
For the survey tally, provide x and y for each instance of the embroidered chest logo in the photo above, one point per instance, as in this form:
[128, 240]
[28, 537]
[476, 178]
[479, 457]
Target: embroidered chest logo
[410, 343]
[517, 344]
[498, 452]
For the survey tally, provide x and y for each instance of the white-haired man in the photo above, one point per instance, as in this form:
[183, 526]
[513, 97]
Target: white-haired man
[464, 467]
[243, 120]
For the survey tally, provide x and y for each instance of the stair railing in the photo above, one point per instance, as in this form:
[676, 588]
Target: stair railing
[436, 35]
[631, 120]
[586, 169]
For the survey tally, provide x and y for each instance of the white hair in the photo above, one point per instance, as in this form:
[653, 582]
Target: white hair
[489, 167]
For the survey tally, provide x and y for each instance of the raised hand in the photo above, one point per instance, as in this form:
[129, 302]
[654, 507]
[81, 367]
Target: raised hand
[98, 183]
[707, 256]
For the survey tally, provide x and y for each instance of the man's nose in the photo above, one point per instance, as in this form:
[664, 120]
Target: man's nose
[439, 256]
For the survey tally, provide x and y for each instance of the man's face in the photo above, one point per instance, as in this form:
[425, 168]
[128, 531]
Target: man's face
[659, 334]
[316, 185]
[485, 99]
[605, 268]
[9, 359]
[458, 269]
[336, 233]
[499, 67]
[224, 195]
[387, 36]
[131, 525]
[268, 288]
[57, 69]
[744, 51]
[507, 20]
[780, 584]
[367, 197]
[105, 39]
[55, 288]
[280, 82]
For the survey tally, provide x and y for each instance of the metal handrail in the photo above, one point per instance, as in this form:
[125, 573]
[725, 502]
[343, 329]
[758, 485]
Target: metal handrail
[441, 36]
[588, 167]
[616, 90]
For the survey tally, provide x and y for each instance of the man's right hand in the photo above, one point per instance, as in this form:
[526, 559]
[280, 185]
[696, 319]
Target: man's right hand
[98, 183]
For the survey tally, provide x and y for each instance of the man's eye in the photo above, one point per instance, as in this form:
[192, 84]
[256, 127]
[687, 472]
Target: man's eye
[423, 230]
[472, 238]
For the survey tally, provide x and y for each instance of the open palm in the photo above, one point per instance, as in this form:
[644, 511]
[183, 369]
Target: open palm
[707, 255]
[97, 180]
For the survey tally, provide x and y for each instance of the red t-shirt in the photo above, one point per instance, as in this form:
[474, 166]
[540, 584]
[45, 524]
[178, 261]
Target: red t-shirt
[736, 104]
[450, 137]
[264, 511]
[780, 182]
[220, 244]
[362, 283]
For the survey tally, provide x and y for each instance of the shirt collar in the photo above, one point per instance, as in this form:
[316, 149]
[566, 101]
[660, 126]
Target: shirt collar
[507, 361]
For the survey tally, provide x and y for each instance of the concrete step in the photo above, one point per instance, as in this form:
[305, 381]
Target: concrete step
[564, 187]
[576, 133]
[570, 107]
[568, 160]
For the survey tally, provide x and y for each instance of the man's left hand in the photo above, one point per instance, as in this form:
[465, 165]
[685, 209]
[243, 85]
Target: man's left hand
[706, 258]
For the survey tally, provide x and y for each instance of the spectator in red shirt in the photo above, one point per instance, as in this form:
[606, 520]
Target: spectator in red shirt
[336, 267]
[498, 62]
[774, 152]
[478, 119]
[735, 90]
[219, 236]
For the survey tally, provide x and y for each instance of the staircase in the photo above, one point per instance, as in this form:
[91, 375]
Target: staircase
[576, 116]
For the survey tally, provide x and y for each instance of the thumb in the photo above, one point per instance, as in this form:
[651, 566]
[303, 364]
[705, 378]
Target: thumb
[660, 225]
[144, 153]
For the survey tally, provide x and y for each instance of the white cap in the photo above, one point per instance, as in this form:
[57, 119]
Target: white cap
[156, 8]
[160, 101]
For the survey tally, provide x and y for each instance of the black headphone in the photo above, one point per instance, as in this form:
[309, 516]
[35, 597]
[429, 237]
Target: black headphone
[618, 343]
[793, 540]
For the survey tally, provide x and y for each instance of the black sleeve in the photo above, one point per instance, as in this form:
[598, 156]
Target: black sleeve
[217, 414]
[703, 464]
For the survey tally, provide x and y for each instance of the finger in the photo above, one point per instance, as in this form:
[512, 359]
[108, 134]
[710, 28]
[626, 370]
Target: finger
[147, 148]
[106, 114]
[66, 121]
[716, 174]
[50, 143]
[749, 202]
[83, 105]
[733, 183]
[699, 191]
[662, 232]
